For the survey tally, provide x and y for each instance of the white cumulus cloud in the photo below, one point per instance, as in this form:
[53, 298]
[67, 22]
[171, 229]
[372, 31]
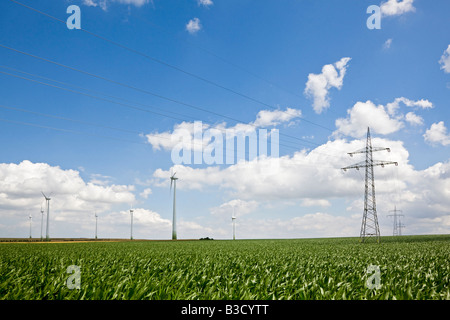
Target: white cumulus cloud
[144, 194]
[414, 119]
[397, 7]
[205, 3]
[105, 3]
[445, 60]
[381, 119]
[387, 44]
[21, 185]
[235, 207]
[367, 114]
[193, 26]
[437, 134]
[184, 132]
[318, 85]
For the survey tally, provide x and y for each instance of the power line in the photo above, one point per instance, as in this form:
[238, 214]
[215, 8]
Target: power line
[146, 91]
[171, 66]
[110, 96]
[92, 96]
[67, 130]
[119, 103]
[68, 119]
[168, 64]
[122, 104]
[136, 88]
[92, 124]
[90, 90]
[101, 126]
[215, 55]
[159, 61]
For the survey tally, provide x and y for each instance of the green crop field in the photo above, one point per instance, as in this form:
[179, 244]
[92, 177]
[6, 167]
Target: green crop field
[410, 267]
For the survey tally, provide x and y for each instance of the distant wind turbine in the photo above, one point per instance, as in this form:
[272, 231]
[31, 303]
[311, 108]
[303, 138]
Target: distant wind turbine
[233, 218]
[30, 218]
[47, 199]
[96, 216]
[131, 213]
[42, 221]
[173, 181]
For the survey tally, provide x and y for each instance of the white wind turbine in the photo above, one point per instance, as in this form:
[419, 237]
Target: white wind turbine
[42, 221]
[131, 213]
[47, 199]
[173, 181]
[96, 216]
[30, 218]
[233, 219]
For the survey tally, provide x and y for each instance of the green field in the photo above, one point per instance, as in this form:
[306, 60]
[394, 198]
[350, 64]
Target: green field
[411, 267]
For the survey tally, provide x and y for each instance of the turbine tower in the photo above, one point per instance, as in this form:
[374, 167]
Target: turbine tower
[397, 231]
[369, 226]
[96, 216]
[173, 181]
[131, 213]
[30, 218]
[233, 219]
[42, 221]
[47, 199]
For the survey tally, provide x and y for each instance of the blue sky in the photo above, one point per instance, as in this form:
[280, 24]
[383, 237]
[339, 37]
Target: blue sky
[255, 59]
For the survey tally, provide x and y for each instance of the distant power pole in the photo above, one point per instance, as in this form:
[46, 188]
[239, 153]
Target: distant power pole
[369, 226]
[400, 226]
[397, 224]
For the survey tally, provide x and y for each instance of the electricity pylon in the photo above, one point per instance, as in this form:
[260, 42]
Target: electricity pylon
[369, 226]
[397, 224]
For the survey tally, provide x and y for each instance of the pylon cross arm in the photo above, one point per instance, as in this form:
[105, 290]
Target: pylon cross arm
[365, 150]
[374, 163]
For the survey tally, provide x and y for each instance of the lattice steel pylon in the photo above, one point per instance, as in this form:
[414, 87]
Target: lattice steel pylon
[397, 231]
[369, 226]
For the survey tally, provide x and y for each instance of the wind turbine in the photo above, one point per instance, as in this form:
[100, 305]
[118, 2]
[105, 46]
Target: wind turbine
[42, 220]
[30, 218]
[233, 218]
[96, 216]
[173, 181]
[131, 213]
[47, 199]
